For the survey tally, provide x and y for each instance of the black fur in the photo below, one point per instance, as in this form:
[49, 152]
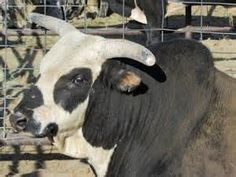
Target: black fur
[51, 8]
[152, 126]
[32, 98]
[68, 93]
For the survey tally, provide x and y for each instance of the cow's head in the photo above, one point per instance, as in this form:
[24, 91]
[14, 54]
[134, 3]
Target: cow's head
[58, 101]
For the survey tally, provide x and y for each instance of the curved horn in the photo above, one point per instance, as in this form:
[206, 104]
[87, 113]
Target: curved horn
[126, 49]
[57, 25]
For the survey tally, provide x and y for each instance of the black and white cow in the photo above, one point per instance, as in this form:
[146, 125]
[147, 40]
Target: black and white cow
[128, 118]
[148, 12]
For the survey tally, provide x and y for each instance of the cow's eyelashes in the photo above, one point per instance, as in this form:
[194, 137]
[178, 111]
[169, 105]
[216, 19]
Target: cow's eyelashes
[79, 80]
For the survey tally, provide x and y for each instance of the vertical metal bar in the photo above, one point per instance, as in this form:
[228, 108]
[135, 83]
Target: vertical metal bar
[188, 13]
[162, 20]
[5, 70]
[123, 21]
[85, 17]
[201, 21]
[45, 32]
[24, 10]
[63, 7]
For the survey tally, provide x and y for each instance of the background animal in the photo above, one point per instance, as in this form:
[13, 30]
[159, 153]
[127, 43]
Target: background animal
[175, 118]
[149, 12]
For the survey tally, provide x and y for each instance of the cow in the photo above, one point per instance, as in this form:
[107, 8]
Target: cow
[131, 111]
[150, 13]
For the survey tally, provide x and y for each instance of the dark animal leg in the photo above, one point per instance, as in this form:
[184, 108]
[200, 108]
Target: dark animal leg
[155, 15]
[103, 8]
[147, 29]
[118, 8]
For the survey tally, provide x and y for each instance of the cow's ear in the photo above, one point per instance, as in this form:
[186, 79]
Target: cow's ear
[127, 81]
[118, 76]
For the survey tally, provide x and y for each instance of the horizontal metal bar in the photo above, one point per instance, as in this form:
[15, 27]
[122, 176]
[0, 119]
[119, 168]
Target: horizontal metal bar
[119, 31]
[170, 1]
[10, 46]
[95, 31]
[46, 5]
[19, 139]
[20, 69]
[207, 3]
[25, 32]
[13, 88]
[205, 29]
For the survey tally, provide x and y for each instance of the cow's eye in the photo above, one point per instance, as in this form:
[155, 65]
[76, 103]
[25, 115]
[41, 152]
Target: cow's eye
[79, 80]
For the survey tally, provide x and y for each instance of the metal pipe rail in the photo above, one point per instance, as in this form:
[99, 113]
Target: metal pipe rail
[19, 139]
[120, 31]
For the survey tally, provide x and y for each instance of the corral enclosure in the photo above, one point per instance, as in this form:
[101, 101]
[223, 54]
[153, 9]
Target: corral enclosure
[22, 49]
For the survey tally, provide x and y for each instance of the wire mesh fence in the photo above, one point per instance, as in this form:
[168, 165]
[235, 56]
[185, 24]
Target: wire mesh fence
[23, 45]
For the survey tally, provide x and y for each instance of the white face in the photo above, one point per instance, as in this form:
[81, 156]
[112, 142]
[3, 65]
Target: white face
[55, 106]
[66, 75]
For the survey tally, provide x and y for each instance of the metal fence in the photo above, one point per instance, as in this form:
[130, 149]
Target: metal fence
[16, 43]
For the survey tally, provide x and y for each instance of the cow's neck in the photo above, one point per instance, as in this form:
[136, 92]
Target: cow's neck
[227, 86]
[214, 137]
[75, 145]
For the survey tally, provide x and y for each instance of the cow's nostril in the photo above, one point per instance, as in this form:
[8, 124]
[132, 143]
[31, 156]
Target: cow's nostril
[21, 123]
[18, 122]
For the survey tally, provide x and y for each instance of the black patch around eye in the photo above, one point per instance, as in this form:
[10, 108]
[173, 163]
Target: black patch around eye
[68, 93]
[32, 98]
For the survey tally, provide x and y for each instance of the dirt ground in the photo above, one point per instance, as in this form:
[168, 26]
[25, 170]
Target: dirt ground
[38, 161]
[27, 52]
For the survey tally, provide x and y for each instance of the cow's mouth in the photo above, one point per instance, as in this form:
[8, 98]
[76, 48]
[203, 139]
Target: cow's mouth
[51, 130]
[49, 137]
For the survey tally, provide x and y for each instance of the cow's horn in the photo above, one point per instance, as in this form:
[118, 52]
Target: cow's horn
[114, 48]
[57, 25]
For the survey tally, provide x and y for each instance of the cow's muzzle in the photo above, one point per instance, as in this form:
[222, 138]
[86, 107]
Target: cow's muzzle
[20, 122]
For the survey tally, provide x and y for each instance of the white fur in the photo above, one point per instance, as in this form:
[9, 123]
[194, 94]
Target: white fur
[77, 146]
[69, 52]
